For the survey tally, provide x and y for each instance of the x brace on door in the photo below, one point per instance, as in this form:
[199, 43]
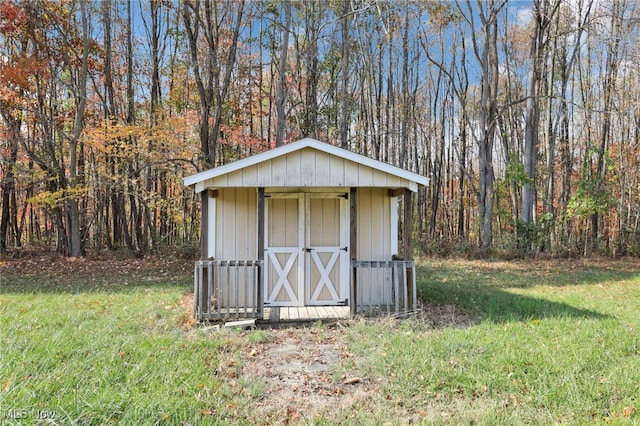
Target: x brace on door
[324, 270]
[283, 273]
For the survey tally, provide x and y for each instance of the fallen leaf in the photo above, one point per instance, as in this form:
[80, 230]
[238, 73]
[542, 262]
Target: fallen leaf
[351, 380]
[628, 411]
[292, 413]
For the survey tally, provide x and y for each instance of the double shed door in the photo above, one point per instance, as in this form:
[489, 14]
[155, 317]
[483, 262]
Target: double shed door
[306, 249]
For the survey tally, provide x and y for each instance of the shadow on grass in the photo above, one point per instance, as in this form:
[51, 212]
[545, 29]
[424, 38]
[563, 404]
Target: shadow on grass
[534, 274]
[109, 273]
[27, 285]
[485, 292]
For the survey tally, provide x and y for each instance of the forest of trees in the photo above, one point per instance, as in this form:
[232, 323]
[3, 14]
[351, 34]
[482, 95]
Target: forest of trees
[524, 114]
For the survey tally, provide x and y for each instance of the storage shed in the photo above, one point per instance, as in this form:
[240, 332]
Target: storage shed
[305, 224]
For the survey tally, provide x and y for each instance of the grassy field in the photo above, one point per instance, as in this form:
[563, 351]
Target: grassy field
[95, 342]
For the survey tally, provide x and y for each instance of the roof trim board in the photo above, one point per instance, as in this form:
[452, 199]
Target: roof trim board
[200, 180]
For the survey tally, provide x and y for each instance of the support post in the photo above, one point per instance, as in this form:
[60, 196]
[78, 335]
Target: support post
[204, 225]
[353, 248]
[407, 241]
[203, 276]
[260, 245]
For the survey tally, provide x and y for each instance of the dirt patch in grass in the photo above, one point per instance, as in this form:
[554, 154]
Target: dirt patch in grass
[443, 316]
[308, 374]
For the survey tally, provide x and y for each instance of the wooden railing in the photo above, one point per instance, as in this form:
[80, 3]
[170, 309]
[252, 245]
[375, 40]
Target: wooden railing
[384, 287]
[226, 289]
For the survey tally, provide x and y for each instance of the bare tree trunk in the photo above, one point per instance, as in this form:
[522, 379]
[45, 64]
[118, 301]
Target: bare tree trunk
[560, 133]
[150, 221]
[194, 22]
[404, 123]
[537, 56]
[344, 76]
[609, 89]
[487, 56]
[223, 88]
[532, 114]
[74, 236]
[309, 125]
[111, 196]
[135, 222]
[8, 181]
[282, 69]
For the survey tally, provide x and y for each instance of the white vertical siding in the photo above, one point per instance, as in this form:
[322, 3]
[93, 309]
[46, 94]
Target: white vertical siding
[249, 176]
[374, 224]
[350, 174]
[264, 173]
[337, 168]
[393, 210]
[365, 175]
[308, 166]
[235, 232]
[374, 241]
[279, 171]
[211, 222]
[379, 179]
[293, 169]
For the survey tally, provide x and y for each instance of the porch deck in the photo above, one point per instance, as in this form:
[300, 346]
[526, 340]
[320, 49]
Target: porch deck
[278, 315]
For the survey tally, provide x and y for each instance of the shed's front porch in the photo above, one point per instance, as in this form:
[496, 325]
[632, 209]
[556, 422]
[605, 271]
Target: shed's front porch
[233, 290]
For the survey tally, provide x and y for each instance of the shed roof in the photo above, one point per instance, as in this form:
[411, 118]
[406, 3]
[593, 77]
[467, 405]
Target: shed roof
[306, 163]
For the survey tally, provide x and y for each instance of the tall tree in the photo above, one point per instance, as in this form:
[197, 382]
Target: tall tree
[543, 13]
[345, 18]
[14, 85]
[485, 47]
[80, 94]
[313, 12]
[212, 65]
[613, 45]
[563, 61]
[281, 89]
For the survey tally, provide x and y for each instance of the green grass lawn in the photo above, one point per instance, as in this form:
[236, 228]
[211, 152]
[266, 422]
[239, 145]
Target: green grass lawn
[100, 342]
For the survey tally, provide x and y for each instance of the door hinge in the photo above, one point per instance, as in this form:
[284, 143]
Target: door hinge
[345, 248]
[345, 196]
[308, 250]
